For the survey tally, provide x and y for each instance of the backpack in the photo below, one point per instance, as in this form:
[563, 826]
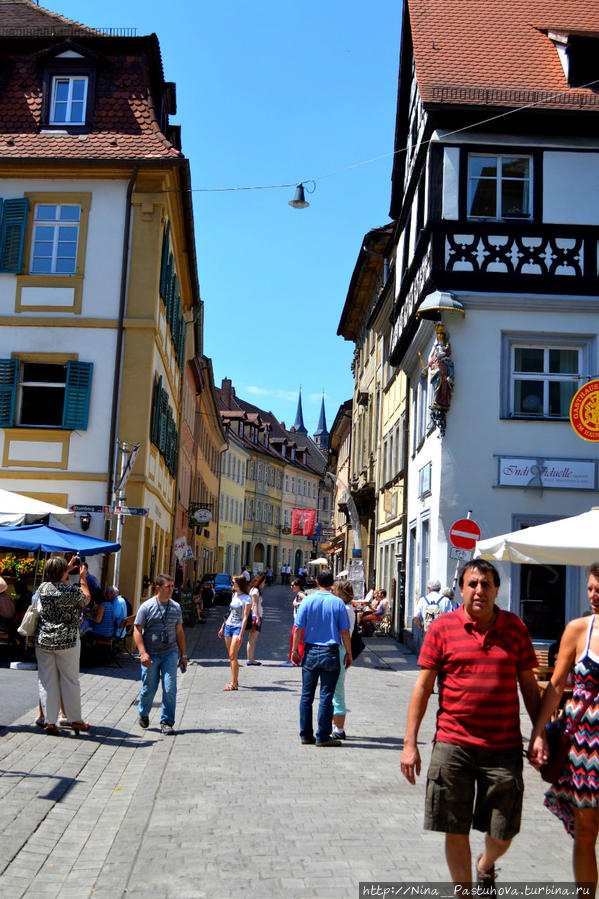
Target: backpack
[432, 611]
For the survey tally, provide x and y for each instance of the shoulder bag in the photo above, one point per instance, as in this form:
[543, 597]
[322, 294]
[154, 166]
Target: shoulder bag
[28, 626]
[558, 734]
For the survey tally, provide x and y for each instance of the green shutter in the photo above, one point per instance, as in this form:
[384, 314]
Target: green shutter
[164, 262]
[12, 235]
[172, 294]
[163, 421]
[75, 412]
[9, 370]
[155, 418]
[181, 347]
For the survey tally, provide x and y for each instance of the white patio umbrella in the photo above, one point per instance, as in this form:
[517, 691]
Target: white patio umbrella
[15, 508]
[567, 541]
[318, 562]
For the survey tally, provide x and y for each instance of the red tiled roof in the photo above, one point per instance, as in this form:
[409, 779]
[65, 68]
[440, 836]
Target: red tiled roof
[497, 52]
[124, 124]
[18, 16]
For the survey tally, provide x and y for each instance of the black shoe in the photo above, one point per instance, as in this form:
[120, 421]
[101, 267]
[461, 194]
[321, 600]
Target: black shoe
[334, 742]
[308, 741]
[167, 729]
[144, 721]
[486, 879]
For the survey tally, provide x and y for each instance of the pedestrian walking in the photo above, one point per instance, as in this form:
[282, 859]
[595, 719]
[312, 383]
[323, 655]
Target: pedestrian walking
[254, 625]
[58, 644]
[298, 596]
[160, 640]
[344, 590]
[575, 797]
[234, 625]
[322, 623]
[480, 653]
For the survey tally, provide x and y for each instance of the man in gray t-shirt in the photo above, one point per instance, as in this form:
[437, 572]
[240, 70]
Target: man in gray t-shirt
[160, 640]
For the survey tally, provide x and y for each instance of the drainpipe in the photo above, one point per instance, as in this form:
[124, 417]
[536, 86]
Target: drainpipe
[116, 387]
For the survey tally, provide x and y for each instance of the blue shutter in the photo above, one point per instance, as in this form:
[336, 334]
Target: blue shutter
[9, 371]
[75, 412]
[12, 235]
[164, 262]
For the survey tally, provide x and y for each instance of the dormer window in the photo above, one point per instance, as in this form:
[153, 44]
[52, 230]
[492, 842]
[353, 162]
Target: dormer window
[499, 187]
[69, 100]
[68, 87]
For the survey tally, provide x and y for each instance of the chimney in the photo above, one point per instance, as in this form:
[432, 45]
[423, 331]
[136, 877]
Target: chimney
[229, 391]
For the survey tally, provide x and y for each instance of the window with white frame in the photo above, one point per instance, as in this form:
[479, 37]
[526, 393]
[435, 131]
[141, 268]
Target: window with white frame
[499, 187]
[55, 239]
[69, 100]
[421, 409]
[541, 375]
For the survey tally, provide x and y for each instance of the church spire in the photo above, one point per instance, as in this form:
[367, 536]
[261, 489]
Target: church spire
[321, 434]
[299, 425]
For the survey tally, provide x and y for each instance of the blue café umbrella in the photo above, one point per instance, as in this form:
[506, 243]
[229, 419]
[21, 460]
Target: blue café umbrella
[46, 539]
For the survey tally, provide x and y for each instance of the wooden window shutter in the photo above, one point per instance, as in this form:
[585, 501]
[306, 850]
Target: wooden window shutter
[163, 422]
[181, 347]
[12, 234]
[9, 371]
[164, 262]
[75, 412]
[155, 418]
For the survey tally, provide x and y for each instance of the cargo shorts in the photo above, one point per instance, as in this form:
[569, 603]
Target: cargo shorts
[472, 787]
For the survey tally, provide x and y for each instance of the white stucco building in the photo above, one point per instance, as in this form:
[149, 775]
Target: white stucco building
[497, 241]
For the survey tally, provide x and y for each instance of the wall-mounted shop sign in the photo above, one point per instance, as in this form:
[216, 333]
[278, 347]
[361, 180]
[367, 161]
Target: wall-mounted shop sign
[563, 474]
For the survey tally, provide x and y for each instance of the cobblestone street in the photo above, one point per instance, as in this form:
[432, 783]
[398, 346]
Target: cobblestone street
[234, 805]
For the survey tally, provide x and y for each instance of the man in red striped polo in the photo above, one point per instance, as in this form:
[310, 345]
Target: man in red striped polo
[479, 653]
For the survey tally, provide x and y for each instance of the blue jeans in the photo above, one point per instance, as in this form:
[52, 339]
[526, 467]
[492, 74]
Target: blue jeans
[163, 668]
[318, 662]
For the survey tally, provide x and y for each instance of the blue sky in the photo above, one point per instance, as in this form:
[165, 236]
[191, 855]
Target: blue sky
[274, 93]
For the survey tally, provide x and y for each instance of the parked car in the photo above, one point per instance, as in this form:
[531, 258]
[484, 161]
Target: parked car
[222, 588]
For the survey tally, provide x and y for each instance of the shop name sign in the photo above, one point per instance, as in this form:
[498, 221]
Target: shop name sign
[564, 474]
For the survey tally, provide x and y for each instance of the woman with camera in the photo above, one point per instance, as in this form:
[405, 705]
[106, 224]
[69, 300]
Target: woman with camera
[57, 642]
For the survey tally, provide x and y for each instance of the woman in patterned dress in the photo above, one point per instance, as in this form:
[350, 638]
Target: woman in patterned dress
[57, 645]
[575, 797]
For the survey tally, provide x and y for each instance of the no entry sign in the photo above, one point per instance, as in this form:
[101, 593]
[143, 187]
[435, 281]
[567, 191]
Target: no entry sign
[464, 533]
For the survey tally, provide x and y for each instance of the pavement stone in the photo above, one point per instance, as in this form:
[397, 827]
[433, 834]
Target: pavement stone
[234, 804]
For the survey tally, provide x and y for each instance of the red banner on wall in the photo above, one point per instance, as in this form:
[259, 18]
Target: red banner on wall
[302, 522]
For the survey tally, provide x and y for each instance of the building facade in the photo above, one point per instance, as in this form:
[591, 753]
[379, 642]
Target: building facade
[494, 320]
[97, 274]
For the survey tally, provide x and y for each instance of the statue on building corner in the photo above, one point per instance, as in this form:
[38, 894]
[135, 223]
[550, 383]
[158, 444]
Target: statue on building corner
[441, 367]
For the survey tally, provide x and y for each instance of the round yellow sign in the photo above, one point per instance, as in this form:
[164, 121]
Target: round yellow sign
[584, 411]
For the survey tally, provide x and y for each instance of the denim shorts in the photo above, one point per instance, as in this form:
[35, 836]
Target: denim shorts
[232, 630]
[472, 787]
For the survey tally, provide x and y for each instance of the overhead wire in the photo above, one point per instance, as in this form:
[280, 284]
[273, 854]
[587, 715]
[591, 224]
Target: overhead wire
[393, 153]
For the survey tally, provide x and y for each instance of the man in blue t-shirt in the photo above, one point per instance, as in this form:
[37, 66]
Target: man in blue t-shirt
[322, 623]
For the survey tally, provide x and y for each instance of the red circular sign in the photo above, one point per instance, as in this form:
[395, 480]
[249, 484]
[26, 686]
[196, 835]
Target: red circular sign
[464, 533]
[584, 412]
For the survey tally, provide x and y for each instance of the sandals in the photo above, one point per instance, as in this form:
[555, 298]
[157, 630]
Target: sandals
[52, 730]
[229, 688]
[40, 721]
[85, 726]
